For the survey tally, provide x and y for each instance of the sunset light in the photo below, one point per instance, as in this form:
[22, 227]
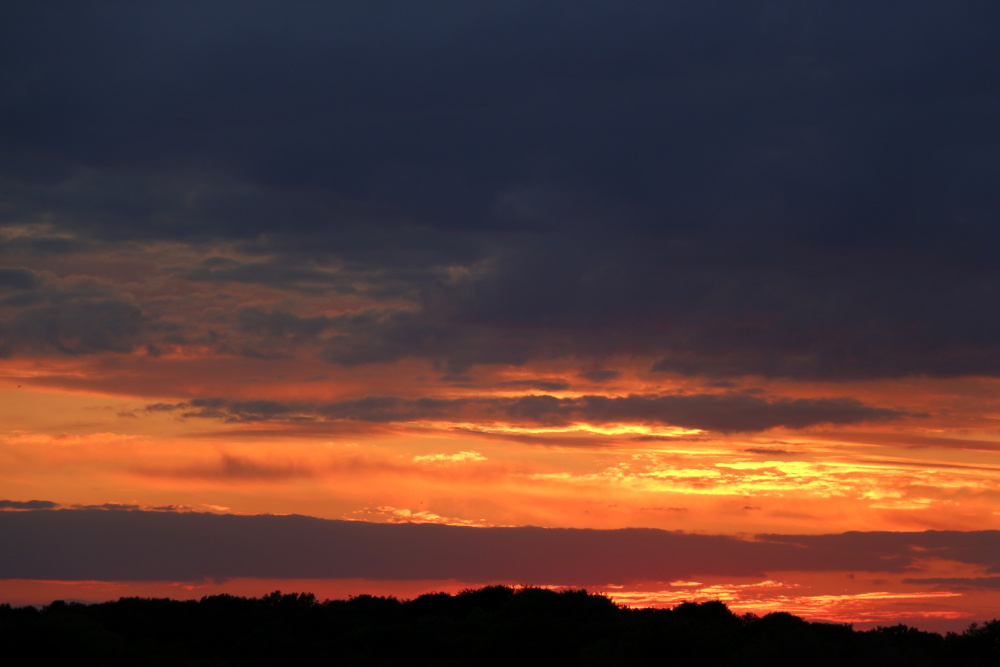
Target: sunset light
[665, 301]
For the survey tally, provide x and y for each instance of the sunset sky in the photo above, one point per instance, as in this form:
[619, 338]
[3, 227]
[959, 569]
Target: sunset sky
[668, 300]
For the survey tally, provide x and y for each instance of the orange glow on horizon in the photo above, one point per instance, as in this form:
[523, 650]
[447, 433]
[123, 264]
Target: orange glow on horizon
[520, 311]
[82, 433]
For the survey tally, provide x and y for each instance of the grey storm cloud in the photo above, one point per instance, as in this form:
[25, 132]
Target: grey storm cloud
[79, 316]
[540, 384]
[277, 323]
[27, 505]
[18, 279]
[156, 546]
[444, 119]
[979, 547]
[723, 412]
[694, 310]
[383, 336]
[600, 375]
[279, 274]
[777, 189]
[109, 507]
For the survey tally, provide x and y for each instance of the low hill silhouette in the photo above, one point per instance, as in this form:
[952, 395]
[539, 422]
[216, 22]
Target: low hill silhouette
[495, 625]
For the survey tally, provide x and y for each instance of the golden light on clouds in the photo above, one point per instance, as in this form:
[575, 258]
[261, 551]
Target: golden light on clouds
[352, 303]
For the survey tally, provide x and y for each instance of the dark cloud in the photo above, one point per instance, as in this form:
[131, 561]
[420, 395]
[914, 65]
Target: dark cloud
[273, 273]
[114, 507]
[384, 336]
[769, 189]
[77, 316]
[725, 412]
[281, 324]
[696, 309]
[28, 246]
[233, 411]
[539, 384]
[603, 375]
[27, 505]
[19, 286]
[18, 279]
[189, 546]
[977, 547]
[123, 507]
[705, 411]
[732, 110]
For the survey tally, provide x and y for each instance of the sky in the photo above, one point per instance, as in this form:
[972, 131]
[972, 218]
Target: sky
[671, 301]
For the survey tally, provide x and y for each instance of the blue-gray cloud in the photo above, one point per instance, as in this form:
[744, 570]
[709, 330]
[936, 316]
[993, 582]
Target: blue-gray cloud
[27, 505]
[135, 545]
[711, 412]
[729, 189]
[78, 316]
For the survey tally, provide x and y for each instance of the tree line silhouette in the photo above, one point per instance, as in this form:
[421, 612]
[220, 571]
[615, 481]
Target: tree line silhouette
[494, 625]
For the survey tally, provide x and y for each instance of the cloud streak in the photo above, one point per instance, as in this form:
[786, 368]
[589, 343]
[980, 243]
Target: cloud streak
[27, 505]
[715, 412]
[135, 545]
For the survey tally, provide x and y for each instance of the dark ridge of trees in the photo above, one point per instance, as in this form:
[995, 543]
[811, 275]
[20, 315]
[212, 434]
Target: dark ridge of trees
[495, 625]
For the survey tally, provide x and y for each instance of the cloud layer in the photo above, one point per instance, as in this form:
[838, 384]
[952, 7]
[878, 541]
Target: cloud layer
[714, 412]
[762, 189]
[136, 545]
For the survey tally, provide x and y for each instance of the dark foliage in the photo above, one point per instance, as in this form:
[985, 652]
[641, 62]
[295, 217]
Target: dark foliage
[496, 625]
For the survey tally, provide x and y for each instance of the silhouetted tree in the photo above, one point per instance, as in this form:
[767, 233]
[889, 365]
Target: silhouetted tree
[495, 625]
